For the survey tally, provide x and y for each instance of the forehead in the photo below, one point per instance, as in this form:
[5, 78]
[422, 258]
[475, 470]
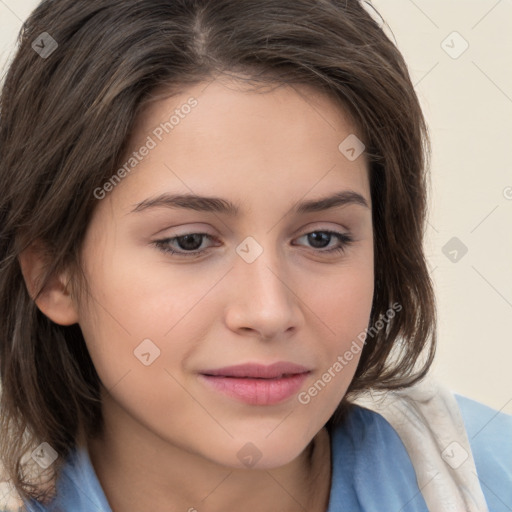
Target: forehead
[275, 143]
[238, 100]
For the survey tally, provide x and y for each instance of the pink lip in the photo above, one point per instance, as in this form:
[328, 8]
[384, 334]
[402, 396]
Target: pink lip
[256, 370]
[257, 384]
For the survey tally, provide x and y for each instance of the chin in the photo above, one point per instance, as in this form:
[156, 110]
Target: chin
[263, 453]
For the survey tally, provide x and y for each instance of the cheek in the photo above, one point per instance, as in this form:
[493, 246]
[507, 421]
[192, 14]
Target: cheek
[344, 300]
[135, 288]
[133, 302]
[348, 306]
[344, 305]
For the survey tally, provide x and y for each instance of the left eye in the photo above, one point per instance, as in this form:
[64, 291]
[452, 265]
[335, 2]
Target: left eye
[189, 244]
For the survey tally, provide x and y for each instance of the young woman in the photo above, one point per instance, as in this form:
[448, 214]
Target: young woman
[211, 228]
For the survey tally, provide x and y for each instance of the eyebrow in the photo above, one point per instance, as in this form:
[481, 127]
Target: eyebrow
[218, 205]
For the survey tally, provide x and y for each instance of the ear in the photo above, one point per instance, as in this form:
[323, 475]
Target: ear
[55, 301]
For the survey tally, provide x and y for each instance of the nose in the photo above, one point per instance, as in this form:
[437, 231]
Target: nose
[264, 299]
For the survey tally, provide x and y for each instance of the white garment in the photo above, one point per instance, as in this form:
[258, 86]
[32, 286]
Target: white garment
[9, 498]
[428, 420]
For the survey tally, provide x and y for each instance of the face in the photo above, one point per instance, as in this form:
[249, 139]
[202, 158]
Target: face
[279, 281]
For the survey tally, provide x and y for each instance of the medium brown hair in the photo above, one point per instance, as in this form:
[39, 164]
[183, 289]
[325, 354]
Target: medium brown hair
[65, 125]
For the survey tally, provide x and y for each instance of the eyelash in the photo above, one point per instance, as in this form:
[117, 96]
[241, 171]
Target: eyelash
[163, 245]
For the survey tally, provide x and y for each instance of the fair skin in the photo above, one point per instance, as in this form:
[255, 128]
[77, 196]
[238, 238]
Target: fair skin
[170, 441]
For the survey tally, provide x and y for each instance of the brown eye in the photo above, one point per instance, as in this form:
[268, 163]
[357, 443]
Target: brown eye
[320, 239]
[183, 245]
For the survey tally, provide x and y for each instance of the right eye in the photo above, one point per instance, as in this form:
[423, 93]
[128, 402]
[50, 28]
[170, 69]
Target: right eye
[188, 244]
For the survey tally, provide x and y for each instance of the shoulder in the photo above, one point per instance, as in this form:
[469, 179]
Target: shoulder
[490, 436]
[371, 469]
[78, 488]
[361, 424]
[461, 450]
[484, 422]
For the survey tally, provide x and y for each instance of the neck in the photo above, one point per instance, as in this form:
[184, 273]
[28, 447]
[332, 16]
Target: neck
[135, 475]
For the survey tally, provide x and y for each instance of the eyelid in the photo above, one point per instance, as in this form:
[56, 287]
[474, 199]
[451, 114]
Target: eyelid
[185, 229]
[322, 226]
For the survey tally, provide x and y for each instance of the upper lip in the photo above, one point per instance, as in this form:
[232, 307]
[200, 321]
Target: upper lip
[255, 370]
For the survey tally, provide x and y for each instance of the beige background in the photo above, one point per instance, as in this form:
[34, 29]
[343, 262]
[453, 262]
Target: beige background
[467, 100]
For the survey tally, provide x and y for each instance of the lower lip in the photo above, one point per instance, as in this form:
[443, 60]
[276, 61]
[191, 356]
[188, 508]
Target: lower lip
[257, 391]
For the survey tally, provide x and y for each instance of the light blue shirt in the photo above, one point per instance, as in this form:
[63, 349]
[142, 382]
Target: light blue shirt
[371, 470]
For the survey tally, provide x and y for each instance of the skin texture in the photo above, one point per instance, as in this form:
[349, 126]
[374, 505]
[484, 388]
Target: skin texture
[170, 442]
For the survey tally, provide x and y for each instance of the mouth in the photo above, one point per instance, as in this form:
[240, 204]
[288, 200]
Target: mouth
[258, 371]
[257, 384]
